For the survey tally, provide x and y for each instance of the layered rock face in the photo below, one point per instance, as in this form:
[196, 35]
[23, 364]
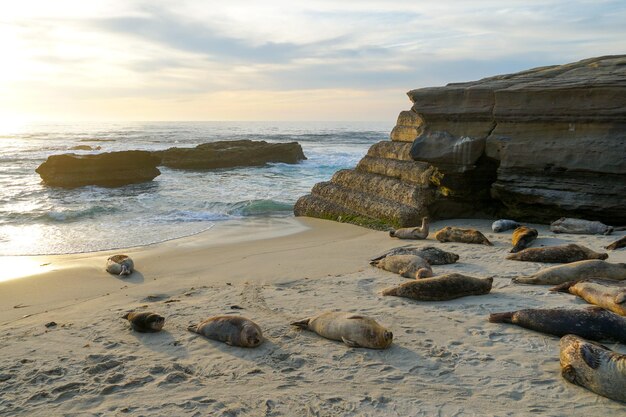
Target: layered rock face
[228, 154]
[534, 146]
[111, 169]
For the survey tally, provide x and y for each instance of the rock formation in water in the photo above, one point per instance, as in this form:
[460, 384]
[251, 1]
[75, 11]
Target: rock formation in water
[111, 169]
[535, 146]
[229, 154]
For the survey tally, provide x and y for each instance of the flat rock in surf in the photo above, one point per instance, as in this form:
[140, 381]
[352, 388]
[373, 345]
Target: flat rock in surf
[111, 169]
[229, 154]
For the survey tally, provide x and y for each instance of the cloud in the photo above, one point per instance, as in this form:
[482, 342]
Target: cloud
[180, 49]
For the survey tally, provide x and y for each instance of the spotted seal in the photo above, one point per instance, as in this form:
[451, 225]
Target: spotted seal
[522, 237]
[593, 366]
[120, 265]
[412, 232]
[456, 234]
[431, 254]
[232, 330]
[504, 225]
[441, 288]
[607, 294]
[352, 329]
[557, 254]
[593, 323]
[145, 322]
[579, 226]
[408, 266]
[575, 271]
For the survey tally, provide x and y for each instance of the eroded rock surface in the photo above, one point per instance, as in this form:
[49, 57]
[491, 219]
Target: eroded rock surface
[535, 146]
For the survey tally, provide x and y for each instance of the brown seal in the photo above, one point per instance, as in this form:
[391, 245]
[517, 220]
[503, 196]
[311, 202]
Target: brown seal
[557, 254]
[620, 243]
[352, 329]
[592, 323]
[455, 234]
[581, 227]
[412, 232]
[408, 266]
[120, 265]
[145, 322]
[431, 254]
[522, 237]
[593, 366]
[441, 288]
[608, 294]
[575, 271]
[232, 330]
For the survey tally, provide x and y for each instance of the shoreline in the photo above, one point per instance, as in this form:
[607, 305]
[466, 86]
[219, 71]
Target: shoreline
[446, 357]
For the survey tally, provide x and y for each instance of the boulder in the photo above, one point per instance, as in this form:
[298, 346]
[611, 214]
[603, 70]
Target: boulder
[535, 146]
[111, 169]
[229, 154]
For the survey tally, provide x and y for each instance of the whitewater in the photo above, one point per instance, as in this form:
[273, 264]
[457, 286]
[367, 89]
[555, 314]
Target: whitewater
[37, 219]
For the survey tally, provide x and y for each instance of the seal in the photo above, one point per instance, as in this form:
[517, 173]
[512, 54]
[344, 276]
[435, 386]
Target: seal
[455, 234]
[408, 266]
[120, 265]
[593, 366]
[579, 226]
[442, 288]
[592, 323]
[232, 330]
[575, 271]
[522, 236]
[352, 329]
[557, 254]
[504, 225]
[610, 295]
[620, 243]
[145, 322]
[431, 254]
[412, 232]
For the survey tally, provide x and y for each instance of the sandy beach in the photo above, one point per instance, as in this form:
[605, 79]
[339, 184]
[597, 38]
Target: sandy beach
[446, 358]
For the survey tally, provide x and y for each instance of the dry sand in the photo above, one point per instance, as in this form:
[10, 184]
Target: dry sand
[446, 359]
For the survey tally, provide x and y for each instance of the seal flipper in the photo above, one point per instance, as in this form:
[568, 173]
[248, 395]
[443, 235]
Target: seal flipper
[193, 328]
[501, 317]
[354, 316]
[620, 298]
[589, 355]
[303, 324]
[568, 372]
[349, 342]
[564, 287]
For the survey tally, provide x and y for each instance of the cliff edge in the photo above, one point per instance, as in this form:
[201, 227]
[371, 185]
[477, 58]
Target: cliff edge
[534, 146]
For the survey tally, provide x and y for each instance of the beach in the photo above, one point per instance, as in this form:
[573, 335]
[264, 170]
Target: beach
[446, 358]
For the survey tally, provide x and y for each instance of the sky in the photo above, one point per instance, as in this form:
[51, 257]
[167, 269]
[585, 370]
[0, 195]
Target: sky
[118, 60]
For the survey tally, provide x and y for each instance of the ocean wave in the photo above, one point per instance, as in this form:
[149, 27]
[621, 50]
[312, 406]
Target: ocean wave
[259, 207]
[66, 216]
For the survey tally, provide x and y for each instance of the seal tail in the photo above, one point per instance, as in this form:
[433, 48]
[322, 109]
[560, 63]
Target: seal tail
[563, 287]
[501, 317]
[126, 315]
[303, 324]
[193, 328]
[390, 291]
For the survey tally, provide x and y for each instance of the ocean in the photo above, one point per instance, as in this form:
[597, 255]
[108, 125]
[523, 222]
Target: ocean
[36, 219]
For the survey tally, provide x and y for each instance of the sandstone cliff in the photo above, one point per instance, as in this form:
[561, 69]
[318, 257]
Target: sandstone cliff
[535, 146]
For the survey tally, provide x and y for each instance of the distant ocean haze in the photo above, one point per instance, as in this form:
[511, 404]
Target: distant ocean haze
[36, 219]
